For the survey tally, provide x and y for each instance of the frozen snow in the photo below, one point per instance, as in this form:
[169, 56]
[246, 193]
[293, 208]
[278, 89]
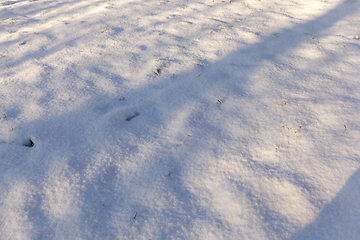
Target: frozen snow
[187, 119]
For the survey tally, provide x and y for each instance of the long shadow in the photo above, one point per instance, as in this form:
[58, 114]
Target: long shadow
[340, 219]
[101, 190]
[247, 62]
[241, 64]
[292, 37]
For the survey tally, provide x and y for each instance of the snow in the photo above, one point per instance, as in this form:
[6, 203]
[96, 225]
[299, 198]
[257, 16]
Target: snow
[188, 119]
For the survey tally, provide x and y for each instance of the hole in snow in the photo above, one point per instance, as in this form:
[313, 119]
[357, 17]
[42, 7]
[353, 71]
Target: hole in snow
[157, 71]
[29, 143]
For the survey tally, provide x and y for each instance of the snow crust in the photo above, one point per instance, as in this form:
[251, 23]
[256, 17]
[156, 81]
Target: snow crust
[187, 119]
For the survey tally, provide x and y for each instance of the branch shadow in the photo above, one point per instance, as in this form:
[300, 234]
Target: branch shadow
[108, 186]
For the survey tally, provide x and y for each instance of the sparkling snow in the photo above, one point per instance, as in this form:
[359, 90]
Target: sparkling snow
[187, 119]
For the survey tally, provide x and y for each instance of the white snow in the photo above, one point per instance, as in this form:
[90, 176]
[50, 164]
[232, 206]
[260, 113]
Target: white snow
[187, 119]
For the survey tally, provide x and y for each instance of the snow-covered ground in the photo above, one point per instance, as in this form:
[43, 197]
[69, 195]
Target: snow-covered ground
[180, 119]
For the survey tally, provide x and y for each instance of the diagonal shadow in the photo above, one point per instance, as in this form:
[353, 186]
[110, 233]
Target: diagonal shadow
[340, 219]
[290, 38]
[104, 188]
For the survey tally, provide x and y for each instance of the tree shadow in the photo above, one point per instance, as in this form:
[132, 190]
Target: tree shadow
[340, 219]
[110, 184]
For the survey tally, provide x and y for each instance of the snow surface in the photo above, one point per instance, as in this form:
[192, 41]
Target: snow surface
[186, 119]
